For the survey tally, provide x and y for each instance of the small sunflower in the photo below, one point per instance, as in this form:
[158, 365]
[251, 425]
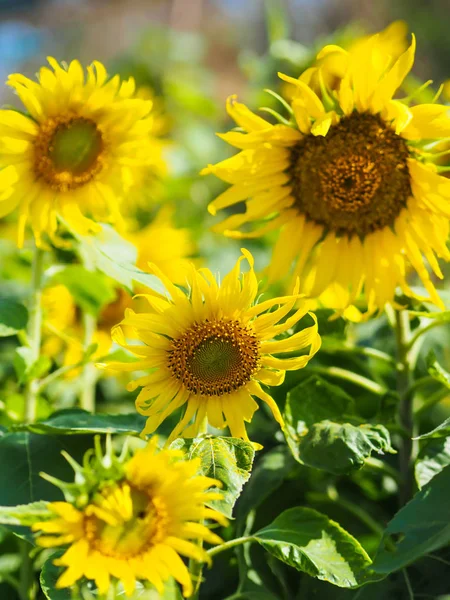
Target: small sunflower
[136, 526]
[211, 349]
[75, 152]
[350, 181]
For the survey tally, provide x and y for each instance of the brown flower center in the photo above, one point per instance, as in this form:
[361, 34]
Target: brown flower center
[355, 179]
[68, 152]
[125, 531]
[214, 357]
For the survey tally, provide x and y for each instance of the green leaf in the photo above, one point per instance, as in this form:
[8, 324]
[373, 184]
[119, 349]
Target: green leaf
[269, 473]
[48, 578]
[116, 258]
[433, 457]
[323, 431]
[438, 315]
[420, 527]
[9, 563]
[24, 455]
[27, 369]
[437, 371]
[13, 317]
[24, 514]
[77, 421]
[442, 430]
[310, 542]
[91, 290]
[224, 458]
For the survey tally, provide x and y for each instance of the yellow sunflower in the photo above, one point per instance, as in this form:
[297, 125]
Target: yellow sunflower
[75, 152]
[137, 527]
[211, 349]
[350, 182]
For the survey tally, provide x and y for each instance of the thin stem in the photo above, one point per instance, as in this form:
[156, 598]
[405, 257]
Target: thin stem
[362, 351]
[418, 333]
[231, 544]
[339, 373]
[419, 383]
[407, 446]
[34, 330]
[408, 584]
[26, 572]
[432, 400]
[89, 374]
[381, 466]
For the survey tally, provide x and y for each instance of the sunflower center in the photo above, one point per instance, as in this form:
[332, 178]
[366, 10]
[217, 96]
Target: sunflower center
[124, 529]
[214, 357]
[68, 152]
[355, 179]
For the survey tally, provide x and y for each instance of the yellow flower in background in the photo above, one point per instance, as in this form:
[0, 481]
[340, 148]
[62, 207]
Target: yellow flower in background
[211, 349]
[351, 184]
[136, 528]
[76, 151]
[168, 247]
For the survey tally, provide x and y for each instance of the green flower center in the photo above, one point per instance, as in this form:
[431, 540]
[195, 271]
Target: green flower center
[68, 152]
[75, 146]
[214, 357]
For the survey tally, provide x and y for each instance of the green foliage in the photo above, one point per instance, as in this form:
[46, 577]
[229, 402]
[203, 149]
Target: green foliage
[28, 369]
[48, 578]
[420, 527]
[224, 458]
[74, 421]
[324, 432]
[90, 290]
[437, 371]
[432, 458]
[441, 430]
[310, 542]
[24, 514]
[13, 317]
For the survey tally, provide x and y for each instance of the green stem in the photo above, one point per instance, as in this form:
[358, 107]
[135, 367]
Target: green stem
[34, 330]
[407, 446]
[419, 383]
[339, 373]
[418, 333]
[89, 374]
[196, 570]
[231, 544]
[43, 383]
[378, 465]
[362, 351]
[26, 591]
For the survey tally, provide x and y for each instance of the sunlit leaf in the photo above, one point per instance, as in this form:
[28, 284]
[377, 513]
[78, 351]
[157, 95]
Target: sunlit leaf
[433, 457]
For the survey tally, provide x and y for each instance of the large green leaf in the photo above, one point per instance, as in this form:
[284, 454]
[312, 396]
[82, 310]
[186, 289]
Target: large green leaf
[224, 458]
[323, 431]
[49, 576]
[91, 290]
[116, 258]
[433, 457]
[309, 541]
[269, 473]
[77, 421]
[13, 317]
[420, 527]
[24, 455]
[24, 514]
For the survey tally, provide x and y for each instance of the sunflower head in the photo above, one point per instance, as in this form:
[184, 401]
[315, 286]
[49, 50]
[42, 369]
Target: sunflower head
[211, 349]
[134, 521]
[350, 180]
[81, 144]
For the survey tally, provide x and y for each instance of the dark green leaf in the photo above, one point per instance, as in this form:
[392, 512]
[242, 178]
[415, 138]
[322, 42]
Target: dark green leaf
[420, 527]
[308, 541]
[323, 431]
[442, 430]
[433, 457]
[24, 514]
[24, 455]
[49, 576]
[13, 317]
[77, 421]
[91, 290]
[224, 458]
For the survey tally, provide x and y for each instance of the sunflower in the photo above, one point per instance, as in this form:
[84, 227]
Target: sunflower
[350, 181]
[164, 245]
[211, 349]
[75, 152]
[135, 527]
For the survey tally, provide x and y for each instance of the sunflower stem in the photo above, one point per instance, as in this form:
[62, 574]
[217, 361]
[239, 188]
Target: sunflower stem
[89, 374]
[230, 544]
[26, 585]
[407, 448]
[196, 570]
[34, 331]
[339, 373]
